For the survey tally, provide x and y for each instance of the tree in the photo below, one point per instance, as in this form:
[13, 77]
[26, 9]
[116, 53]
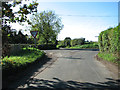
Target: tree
[20, 16]
[48, 24]
[67, 41]
[21, 38]
[8, 16]
[78, 41]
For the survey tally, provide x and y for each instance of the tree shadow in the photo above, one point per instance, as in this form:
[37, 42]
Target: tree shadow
[61, 84]
[73, 49]
[70, 58]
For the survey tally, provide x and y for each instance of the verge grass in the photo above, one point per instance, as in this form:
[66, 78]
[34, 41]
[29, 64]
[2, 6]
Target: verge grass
[22, 58]
[109, 57]
[85, 46]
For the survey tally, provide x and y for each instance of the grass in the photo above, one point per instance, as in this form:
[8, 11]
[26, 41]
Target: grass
[22, 58]
[60, 46]
[109, 57]
[85, 46]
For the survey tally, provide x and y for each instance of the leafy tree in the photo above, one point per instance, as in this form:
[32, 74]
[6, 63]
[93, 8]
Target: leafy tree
[20, 38]
[78, 41]
[8, 16]
[48, 24]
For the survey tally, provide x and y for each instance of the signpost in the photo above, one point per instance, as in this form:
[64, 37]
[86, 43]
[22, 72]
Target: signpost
[34, 34]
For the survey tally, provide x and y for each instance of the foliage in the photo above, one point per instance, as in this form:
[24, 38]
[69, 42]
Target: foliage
[67, 41]
[48, 24]
[20, 59]
[60, 44]
[19, 16]
[93, 46]
[79, 41]
[46, 46]
[24, 10]
[15, 38]
[109, 41]
[19, 38]
[8, 16]
[109, 57]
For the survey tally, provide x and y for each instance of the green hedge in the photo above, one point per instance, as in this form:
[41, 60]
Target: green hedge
[67, 42]
[92, 46]
[47, 46]
[19, 61]
[109, 41]
[79, 41]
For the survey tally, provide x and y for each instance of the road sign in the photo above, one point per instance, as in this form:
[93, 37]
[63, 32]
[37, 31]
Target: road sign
[34, 33]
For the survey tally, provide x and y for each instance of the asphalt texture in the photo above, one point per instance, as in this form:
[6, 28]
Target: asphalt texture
[72, 69]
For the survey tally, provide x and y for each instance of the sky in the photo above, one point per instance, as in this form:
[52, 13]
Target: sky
[83, 19]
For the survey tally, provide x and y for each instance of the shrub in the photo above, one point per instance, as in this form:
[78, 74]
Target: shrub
[92, 46]
[67, 41]
[79, 41]
[60, 46]
[18, 61]
[46, 46]
[109, 41]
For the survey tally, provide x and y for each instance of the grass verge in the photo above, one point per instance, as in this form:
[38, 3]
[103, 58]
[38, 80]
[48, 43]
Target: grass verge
[109, 57]
[85, 46]
[21, 59]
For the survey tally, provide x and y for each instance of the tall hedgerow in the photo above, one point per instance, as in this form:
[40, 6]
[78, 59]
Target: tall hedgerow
[109, 41]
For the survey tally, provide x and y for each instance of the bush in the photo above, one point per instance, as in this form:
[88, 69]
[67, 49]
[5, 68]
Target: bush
[18, 61]
[92, 46]
[109, 41]
[46, 46]
[67, 42]
[79, 41]
[60, 46]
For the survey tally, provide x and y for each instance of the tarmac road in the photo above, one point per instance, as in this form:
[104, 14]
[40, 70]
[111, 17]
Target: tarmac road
[73, 69]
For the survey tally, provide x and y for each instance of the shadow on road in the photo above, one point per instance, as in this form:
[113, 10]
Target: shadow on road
[57, 83]
[71, 58]
[17, 79]
[73, 49]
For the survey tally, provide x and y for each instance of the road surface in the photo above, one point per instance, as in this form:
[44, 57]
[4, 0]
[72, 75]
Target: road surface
[72, 69]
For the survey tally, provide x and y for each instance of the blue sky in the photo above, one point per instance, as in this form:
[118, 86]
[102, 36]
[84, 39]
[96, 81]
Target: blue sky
[83, 19]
